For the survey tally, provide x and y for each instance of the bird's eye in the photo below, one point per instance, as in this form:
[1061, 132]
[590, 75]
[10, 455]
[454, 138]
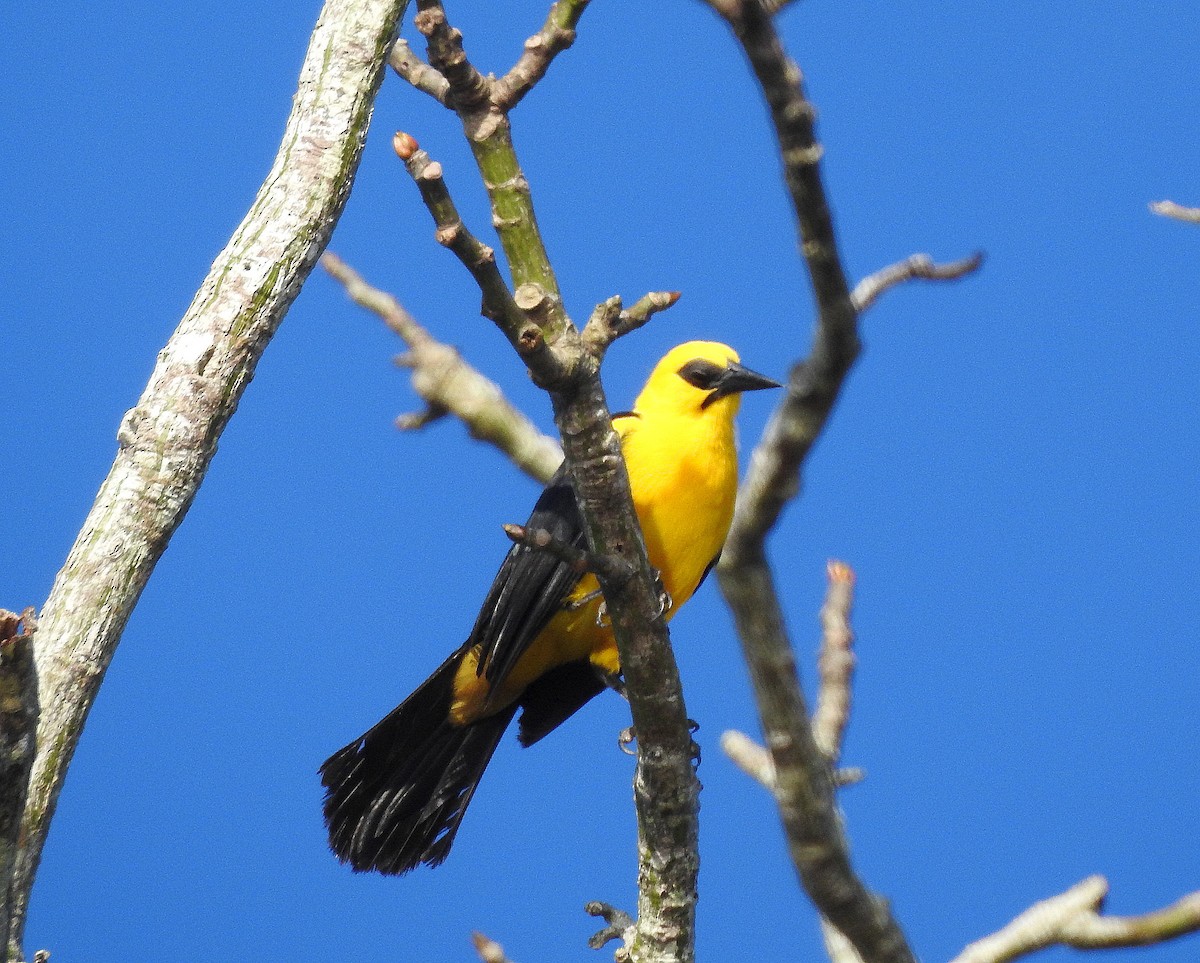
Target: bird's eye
[701, 374]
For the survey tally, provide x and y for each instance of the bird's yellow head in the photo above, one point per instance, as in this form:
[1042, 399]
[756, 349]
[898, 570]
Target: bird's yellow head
[700, 377]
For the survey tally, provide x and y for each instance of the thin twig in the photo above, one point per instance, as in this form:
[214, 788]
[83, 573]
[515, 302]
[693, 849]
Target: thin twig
[915, 267]
[1073, 919]
[619, 926]
[452, 233]
[408, 65]
[488, 949]
[1177, 211]
[835, 664]
[520, 316]
[750, 757]
[168, 440]
[486, 126]
[614, 570]
[447, 383]
[610, 321]
[556, 35]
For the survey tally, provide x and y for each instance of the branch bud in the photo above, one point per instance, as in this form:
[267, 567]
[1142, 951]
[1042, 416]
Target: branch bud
[405, 145]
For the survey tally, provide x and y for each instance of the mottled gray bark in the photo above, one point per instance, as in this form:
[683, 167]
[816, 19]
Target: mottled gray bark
[167, 441]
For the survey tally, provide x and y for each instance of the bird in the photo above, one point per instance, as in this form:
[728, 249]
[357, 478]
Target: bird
[541, 644]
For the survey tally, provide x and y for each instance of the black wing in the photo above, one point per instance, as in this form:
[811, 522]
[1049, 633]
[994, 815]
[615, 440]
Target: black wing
[531, 585]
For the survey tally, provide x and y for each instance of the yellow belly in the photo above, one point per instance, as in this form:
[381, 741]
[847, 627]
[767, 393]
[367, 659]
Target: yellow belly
[684, 506]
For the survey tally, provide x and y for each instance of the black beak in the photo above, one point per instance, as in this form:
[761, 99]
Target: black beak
[735, 379]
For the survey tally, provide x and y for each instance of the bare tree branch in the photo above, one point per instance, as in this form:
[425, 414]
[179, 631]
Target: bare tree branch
[486, 126]
[452, 233]
[835, 663]
[749, 757]
[448, 383]
[619, 925]
[610, 321]
[793, 118]
[18, 744]
[404, 60]
[556, 35]
[1177, 211]
[488, 949]
[666, 792]
[756, 762]
[839, 949]
[168, 439]
[917, 266]
[1073, 919]
[804, 786]
[614, 570]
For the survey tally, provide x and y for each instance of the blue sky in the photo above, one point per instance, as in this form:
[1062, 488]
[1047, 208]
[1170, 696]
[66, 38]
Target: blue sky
[1011, 471]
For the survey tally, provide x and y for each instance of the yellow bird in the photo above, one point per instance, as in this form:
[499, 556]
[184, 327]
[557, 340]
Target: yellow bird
[396, 795]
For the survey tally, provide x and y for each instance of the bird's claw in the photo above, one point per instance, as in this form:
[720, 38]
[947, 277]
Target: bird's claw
[665, 602]
[614, 681]
[576, 604]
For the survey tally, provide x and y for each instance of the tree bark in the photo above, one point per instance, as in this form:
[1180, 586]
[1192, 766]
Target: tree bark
[168, 440]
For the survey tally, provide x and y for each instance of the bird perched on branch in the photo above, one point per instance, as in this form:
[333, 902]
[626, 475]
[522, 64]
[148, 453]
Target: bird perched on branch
[542, 644]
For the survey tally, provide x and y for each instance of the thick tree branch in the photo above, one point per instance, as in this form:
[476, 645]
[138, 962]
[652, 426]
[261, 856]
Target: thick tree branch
[448, 383]
[666, 791]
[804, 785]
[168, 439]
[836, 666]
[793, 118]
[18, 729]
[1177, 211]
[1073, 919]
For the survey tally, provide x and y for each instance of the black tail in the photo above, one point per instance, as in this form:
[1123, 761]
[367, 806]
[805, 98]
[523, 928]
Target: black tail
[396, 795]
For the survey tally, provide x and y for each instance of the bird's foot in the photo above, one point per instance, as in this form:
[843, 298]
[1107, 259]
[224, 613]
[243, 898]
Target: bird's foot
[665, 602]
[627, 737]
[577, 604]
[614, 681]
